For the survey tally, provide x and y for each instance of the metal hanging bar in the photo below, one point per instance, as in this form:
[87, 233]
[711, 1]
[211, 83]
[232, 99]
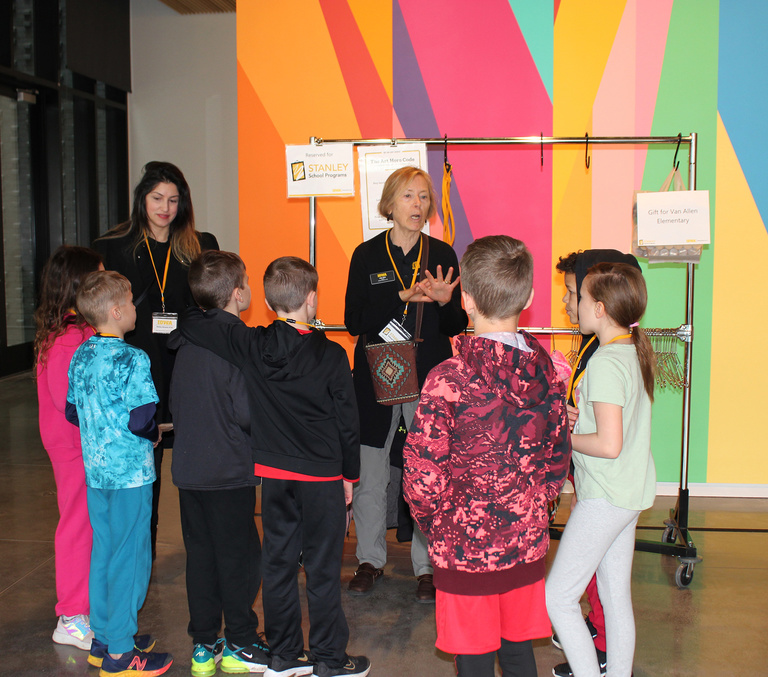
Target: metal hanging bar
[676, 540]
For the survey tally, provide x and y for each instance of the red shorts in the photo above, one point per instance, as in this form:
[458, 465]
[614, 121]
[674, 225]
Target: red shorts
[468, 624]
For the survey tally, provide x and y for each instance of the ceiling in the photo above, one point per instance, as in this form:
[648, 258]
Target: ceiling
[201, 6]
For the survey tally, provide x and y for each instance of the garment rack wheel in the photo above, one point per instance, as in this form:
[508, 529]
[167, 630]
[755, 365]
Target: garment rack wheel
[684, 573]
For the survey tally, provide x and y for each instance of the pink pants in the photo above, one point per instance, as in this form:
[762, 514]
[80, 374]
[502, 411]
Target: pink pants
[596, 616]
[74, 537]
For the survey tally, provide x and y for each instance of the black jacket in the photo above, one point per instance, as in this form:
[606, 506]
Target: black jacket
[371, 303]
[120, 256]
[211, 418]
[302, 402]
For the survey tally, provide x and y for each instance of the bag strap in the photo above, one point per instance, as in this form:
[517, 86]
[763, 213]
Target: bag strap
[424, 262]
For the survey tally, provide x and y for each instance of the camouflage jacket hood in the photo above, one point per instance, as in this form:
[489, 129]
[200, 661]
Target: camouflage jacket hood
[488, 448]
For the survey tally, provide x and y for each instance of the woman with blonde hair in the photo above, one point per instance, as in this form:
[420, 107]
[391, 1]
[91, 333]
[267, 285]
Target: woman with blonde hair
[384, 287]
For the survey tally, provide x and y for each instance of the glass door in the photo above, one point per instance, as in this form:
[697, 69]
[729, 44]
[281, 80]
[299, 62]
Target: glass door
[17, 244]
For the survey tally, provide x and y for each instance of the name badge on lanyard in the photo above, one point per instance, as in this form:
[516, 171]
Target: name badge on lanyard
[164, 323]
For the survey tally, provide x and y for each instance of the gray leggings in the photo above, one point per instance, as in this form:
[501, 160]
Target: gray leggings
[598, 537]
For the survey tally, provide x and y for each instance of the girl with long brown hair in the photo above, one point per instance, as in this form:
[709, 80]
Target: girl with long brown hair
[614, 472]
[60, 331]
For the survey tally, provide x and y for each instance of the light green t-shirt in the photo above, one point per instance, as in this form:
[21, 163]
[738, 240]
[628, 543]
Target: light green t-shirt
[629, 481]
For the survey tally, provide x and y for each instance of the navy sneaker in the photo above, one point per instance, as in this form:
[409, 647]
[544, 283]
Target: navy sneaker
[99, 649]
[135, 662]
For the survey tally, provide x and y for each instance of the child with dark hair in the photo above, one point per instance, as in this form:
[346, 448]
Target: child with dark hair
[306, 448]
[60, 331]
[488, 448]
[615, 477]
[213, 469]
[574, 267]
[112, 399]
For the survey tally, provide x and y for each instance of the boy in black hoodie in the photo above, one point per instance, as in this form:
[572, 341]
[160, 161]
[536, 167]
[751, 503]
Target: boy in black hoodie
[213, 469]
[306, 448]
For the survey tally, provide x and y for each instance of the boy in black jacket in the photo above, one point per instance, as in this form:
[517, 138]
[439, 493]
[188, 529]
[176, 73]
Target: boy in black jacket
[306, 448]
[213, 469]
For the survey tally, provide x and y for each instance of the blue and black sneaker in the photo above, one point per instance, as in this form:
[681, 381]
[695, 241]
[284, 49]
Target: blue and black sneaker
[205, 657]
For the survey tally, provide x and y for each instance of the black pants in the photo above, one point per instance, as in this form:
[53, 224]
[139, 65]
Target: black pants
[223, 563]
[515, 659]
[306, 517]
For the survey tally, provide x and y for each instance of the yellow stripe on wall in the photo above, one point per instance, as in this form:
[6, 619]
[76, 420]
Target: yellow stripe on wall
[739, 326]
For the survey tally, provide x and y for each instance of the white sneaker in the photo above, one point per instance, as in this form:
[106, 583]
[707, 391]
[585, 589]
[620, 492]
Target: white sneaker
[74, 630]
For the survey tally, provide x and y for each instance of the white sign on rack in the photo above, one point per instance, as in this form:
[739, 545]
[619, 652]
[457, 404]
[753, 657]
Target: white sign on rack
[676, 217]
[320, 171]
[376, 163]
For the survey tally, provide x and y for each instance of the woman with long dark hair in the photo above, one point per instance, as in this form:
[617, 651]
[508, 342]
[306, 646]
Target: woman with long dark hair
[153, 249]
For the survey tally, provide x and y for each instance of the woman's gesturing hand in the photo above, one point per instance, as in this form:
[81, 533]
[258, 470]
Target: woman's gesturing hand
[439, 288]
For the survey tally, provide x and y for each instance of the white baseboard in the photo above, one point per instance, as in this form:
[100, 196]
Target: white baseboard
[704, 489]
[713, 489]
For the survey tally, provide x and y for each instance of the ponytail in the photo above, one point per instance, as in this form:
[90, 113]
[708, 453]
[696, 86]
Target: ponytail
[647, 359]
[621, 289]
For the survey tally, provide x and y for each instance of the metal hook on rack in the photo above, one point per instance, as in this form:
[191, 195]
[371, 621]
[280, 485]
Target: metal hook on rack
[675, 161]
[587, 159]
[445, 155]
[542, 149]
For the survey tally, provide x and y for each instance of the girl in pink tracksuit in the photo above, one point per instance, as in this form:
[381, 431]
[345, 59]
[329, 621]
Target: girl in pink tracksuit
[60, 331]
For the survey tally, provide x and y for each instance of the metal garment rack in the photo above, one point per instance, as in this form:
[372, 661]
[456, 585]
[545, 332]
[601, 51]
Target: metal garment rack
[676, 539]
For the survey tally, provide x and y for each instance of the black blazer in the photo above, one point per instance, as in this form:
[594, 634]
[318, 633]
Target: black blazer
[120, 256]
[370, 304]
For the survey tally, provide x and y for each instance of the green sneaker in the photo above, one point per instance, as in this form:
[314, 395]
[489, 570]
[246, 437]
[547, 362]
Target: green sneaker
[244, 659]
[205, 657]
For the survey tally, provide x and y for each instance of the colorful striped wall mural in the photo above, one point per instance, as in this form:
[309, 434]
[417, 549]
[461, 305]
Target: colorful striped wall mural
[342, 69]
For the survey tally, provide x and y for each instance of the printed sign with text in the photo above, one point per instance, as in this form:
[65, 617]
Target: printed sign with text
[320, 171]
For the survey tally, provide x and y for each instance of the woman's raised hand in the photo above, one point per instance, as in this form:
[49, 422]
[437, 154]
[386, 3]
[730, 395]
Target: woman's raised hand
[439, 289]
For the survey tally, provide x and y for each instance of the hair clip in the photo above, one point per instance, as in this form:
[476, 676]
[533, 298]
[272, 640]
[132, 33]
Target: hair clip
[634, 324]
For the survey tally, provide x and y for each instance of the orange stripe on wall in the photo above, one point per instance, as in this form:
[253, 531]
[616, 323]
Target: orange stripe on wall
[264, 208]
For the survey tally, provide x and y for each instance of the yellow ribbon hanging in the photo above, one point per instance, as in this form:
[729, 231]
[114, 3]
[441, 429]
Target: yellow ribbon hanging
[449, 226]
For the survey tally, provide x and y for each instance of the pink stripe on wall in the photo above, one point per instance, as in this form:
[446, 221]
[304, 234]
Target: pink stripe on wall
[482, 81]
[613, 168]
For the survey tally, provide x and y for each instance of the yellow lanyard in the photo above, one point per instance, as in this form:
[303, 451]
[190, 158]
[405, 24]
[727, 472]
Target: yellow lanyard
[416, 267]
[289, 320]
[165, 274]
[575, 379]
[449, 226]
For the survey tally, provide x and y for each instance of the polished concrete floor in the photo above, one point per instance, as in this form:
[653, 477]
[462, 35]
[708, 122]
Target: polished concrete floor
[717, 626]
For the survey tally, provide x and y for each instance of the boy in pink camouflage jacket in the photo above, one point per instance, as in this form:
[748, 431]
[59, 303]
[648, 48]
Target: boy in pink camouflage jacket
[488, 448]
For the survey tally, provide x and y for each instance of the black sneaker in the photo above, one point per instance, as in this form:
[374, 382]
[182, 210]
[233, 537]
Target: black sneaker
[355, 666]
[290, 668]
[590, 627]
[564, 669]
[242, 659]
